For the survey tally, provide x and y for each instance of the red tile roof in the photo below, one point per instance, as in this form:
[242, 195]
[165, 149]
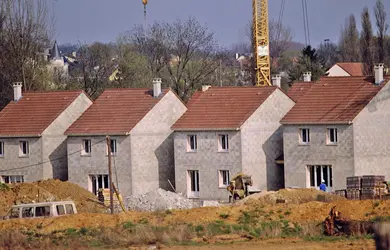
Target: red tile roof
[34, 112]
[115, 112]
[221, 108]
[333, 100]
[193, 98]
[298, 89]
[353, 68]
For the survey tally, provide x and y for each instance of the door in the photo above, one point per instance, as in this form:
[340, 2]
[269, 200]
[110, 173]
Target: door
[193, 184]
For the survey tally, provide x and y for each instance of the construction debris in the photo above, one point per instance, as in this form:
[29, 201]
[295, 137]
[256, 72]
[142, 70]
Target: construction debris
[159, 200]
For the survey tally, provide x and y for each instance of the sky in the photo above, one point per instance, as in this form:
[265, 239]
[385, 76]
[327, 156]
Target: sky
[87, 21]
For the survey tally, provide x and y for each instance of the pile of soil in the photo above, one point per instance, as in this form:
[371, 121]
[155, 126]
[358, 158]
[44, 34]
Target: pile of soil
[48, 190]
[289, 196]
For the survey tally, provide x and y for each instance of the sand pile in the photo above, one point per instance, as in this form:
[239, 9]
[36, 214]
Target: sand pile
[49, 190]
[159, 200]
[290, 196]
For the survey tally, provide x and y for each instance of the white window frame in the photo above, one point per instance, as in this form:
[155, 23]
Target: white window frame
[94, 180]
[114, 147]
[21, 153]
[193, 178]
[316, 180]
[12, 179]
[330, 131]
[192, 148]
[223, 147]
[223, 178]
[1, 148]
[301, 136]
[83, 145]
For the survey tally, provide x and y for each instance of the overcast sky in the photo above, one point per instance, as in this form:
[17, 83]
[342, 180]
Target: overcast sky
[102, 20]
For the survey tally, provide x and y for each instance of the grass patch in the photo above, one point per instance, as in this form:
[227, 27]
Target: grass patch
[287, 213]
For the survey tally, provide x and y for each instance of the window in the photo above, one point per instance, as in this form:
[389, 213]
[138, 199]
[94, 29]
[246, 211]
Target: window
[69, 209]
[1, 148]
[60, 210]
[223, 143]
[318, 173]
[304, 136]
[12, 179]
[42, 211]
[86, 150]
[332, 136]
[23, 148]
[193, 176]
[98, 182]
[224, 178]
[113, 147]
[192, 143]
[27, 212]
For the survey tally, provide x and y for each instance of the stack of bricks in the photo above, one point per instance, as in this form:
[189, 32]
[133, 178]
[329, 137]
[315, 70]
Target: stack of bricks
[370, 184]
[354, 185]
[342, 193]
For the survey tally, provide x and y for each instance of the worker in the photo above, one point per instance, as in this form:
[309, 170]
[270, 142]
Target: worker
[323, 186]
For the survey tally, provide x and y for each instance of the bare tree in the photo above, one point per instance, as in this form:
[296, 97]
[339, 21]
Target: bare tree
[382, 26]
[184, 53]
[349, 41]
[330, 53]
[96, 66]
[24, 33]
[366, 43]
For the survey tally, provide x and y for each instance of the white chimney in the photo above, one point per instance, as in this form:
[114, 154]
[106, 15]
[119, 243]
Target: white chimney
[378, 69]
[277, 80]
[156, 87]
[205, 87]
[17, 91]
[307, 77]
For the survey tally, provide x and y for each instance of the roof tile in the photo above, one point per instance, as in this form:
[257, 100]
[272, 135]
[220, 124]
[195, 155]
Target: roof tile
[34, 112]
[222, 107]
[333, 100]
[298, 89]
[115, 111]
[352, 68]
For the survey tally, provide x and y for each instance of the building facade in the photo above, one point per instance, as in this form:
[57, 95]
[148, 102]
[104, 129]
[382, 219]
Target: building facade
[219, 137]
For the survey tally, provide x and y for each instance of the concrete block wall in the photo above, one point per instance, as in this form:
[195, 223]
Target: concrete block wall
[208, 161]
[80, 167]
[152, 146]
[372, 137]
[297, 157]
[11, 159]
[262, 142]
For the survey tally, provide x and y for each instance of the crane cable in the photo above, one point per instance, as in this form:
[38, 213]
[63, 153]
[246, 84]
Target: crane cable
[280, 20]
[306, 22]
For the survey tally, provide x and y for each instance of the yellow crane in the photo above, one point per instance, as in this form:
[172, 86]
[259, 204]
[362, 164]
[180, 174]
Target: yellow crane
[260, 43]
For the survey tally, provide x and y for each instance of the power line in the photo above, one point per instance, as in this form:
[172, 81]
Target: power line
[43, 162]
[307, 23]
[304, 20]
[280, 20]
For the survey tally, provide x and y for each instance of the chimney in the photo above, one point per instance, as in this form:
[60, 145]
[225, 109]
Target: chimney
[277, 80]
[307, 76]
[205, 87]
[156, 87]
[17, 91]
[378, 69]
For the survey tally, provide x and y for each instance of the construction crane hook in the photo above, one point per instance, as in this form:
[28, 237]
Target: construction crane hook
[145, 2]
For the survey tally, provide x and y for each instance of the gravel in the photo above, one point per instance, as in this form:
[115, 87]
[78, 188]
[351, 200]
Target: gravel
[159, 200]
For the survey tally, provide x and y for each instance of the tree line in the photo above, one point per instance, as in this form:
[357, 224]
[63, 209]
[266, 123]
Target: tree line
[184, 53]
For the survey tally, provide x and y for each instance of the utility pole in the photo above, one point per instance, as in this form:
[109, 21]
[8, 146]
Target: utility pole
[110, 175]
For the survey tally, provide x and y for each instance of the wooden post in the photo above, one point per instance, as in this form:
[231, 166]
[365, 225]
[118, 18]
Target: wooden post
[110, 175]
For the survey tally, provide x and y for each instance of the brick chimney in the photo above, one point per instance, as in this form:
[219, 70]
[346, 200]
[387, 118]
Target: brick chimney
[156, 87]
[378, 69]
[307, 76]
[17, 91]
[277, 80]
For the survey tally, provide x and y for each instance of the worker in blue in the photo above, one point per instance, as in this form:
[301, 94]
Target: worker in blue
[323, 186]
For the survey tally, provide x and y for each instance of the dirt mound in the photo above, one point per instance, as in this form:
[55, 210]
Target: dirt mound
[49, 190]
[290, 196]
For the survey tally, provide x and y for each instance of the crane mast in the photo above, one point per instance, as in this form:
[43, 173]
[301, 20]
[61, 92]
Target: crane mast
[261, 42]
